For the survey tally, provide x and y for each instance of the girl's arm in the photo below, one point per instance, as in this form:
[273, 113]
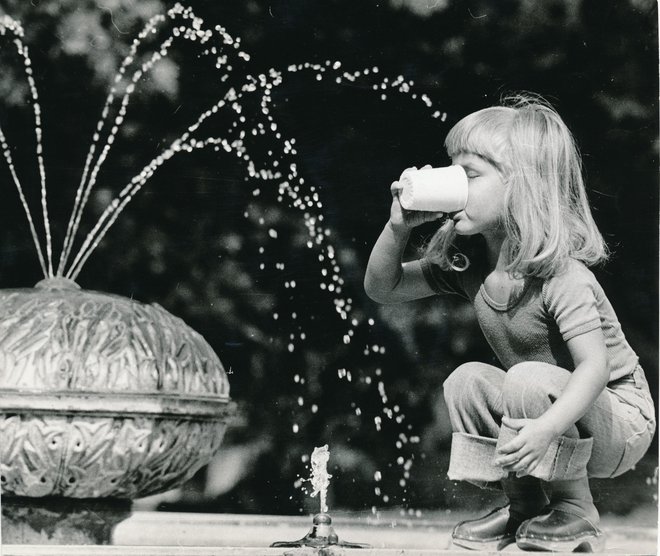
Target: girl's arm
[387, 279]
[587, 381]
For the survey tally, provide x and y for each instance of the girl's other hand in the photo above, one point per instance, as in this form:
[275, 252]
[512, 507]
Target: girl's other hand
[523, 453]
[404, 220]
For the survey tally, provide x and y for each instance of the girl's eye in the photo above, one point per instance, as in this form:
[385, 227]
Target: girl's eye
[471, 175]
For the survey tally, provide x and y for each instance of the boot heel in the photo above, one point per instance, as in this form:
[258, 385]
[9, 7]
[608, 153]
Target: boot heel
[592, 544]
[559, 531]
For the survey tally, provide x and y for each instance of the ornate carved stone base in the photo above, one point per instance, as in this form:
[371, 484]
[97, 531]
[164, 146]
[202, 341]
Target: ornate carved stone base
[55, 520]
[102, 399]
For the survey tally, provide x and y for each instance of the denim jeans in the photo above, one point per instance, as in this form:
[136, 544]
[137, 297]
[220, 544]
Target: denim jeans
[608, 440]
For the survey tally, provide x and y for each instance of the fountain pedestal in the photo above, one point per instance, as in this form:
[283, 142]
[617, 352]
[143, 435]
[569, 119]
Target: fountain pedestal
[321, 535]
[102, 400]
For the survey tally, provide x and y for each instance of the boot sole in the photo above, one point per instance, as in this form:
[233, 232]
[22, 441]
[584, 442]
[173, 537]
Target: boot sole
[495, 544]
[588, 543]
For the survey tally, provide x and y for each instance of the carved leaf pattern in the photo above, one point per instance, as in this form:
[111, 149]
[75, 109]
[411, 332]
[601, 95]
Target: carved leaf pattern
[99, 457]
[59, 341]
[82, 340]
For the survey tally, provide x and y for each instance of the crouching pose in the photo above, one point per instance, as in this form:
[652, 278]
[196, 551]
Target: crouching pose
[571, 401]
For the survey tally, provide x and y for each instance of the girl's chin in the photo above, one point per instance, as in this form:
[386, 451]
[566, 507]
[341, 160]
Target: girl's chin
[467, 228]
[462, 229]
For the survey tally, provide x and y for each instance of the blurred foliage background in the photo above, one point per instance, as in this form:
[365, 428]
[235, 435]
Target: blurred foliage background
[195, 239]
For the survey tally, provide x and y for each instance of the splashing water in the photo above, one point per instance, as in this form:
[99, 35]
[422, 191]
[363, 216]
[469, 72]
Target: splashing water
[320, 478]
[177, 25]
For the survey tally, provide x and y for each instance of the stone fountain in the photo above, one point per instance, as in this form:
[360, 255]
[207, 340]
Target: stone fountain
[103, 399]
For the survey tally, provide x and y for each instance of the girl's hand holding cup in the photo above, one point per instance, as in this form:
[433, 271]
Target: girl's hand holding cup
[427, 194]
[403, 220]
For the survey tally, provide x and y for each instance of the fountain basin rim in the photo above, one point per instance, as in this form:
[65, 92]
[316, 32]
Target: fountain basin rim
[127, 404]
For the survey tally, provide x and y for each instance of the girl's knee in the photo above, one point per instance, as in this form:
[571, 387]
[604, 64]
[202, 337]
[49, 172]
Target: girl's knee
[530, 388]
[465, 382]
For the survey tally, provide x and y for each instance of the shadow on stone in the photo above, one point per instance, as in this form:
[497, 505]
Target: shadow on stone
[54, 520]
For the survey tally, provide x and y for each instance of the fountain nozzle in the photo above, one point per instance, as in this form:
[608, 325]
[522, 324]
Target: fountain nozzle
[321, 534]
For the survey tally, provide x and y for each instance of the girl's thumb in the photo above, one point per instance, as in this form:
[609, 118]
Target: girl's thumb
[512, 423]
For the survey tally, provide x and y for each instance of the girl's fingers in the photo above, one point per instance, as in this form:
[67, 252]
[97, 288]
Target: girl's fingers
[532, 466]
[512, 446]
[507, 460]
[512, 423]
[523, 464]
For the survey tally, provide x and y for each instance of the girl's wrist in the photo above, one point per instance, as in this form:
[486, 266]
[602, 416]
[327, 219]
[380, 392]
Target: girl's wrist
[400, 231]
[550, 424]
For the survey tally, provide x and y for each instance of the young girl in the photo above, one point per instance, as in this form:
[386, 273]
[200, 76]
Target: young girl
[572, 401]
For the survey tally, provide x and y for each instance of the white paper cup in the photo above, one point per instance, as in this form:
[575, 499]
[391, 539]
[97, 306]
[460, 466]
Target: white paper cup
[434, 189]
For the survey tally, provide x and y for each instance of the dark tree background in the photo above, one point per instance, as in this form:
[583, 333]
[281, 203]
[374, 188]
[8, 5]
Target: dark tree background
[186, 243]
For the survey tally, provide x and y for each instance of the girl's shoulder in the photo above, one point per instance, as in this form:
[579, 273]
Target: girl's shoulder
[574, 269]
[573, 278]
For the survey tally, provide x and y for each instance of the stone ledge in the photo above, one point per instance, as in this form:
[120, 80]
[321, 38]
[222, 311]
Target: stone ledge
[65, 550]
[187, 534]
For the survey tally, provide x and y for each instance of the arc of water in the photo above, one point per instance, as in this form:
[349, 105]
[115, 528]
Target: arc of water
[40, 161]
[86, 191]
[26, 208]
[192, 32]
[85, 186]
[116, 206]
[114, 209]
[7, 23]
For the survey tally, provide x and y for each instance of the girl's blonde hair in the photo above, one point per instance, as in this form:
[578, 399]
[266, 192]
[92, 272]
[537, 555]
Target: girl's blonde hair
[547, 220]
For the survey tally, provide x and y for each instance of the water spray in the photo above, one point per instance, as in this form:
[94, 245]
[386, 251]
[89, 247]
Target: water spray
[322, 533]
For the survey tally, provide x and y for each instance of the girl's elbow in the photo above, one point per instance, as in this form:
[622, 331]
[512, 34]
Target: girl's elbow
[375, 293]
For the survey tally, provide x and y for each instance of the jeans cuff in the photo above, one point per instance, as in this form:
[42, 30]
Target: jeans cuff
[472, 458]
[566, 457]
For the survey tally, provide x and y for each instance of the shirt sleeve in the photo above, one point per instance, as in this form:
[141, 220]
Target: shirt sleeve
[441, 281]
[571, 300]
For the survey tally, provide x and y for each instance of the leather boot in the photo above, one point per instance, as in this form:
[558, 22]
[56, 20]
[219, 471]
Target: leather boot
[560, 531]
[497, 529]
[569, 523]
[493, 531]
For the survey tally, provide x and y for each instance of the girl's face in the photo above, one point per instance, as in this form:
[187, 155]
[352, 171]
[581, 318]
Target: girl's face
[485, 206]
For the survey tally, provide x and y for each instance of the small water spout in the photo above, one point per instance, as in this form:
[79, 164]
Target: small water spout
[320, 477]
[322, 533]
